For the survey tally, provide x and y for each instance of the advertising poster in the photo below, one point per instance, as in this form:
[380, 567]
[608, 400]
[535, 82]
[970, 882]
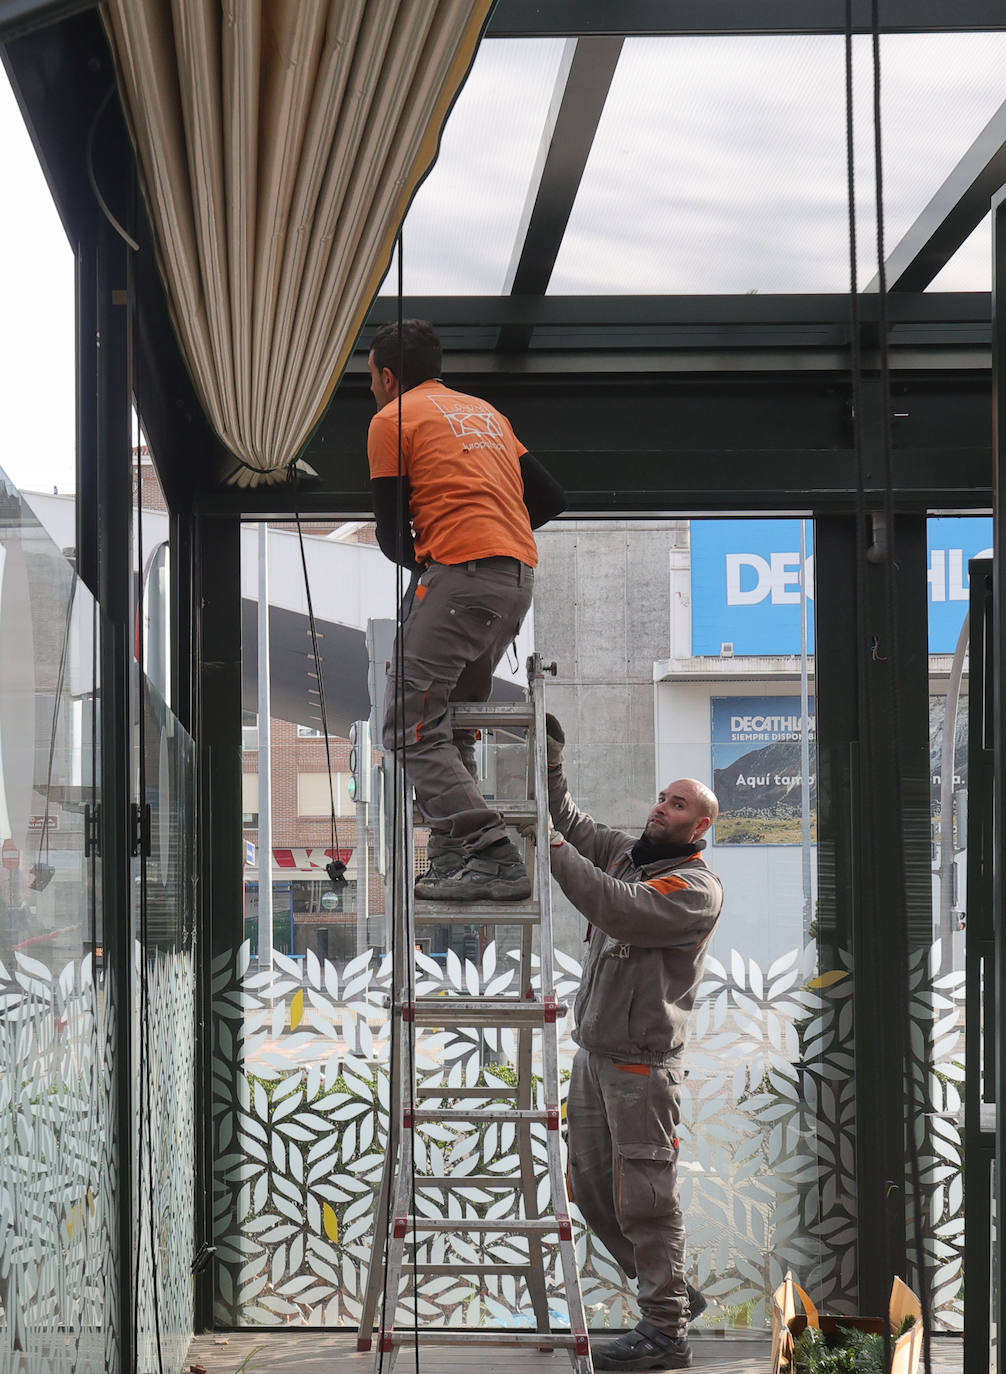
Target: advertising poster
[756, 769]
[748, 577]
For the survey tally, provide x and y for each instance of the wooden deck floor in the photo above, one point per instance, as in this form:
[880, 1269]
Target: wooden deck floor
[305, 1352]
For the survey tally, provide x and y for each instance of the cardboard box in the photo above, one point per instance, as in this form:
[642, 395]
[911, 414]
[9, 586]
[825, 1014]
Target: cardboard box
[787, 1323]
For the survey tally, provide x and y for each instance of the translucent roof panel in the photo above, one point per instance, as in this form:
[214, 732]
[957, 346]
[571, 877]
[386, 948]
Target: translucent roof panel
[460, 231]
[970, 269]
[720, 165]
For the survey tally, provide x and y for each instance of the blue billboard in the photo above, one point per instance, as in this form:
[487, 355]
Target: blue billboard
[747, 576]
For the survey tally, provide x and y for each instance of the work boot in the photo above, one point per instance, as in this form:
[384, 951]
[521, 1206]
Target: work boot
[443, 866]
[696, 1303]
[494, 874]
[645, 1347]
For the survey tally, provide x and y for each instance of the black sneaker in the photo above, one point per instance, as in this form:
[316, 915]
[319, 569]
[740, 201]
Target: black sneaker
[442, 866]
[494, 874]
[696, 1303]
[645, 1347]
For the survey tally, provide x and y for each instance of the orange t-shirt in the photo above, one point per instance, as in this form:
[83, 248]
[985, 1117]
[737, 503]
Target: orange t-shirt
[462, 460]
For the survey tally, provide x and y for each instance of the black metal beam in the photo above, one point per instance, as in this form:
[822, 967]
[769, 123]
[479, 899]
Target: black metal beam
[981, 1027]
[957, 208]
[18, 17]
[111, 448]
[575, 312]
[643, 18]
[999, 723]
[216, 727]
[566, 147]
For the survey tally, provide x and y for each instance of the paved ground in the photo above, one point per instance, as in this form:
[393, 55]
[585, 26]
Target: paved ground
[303, 1352]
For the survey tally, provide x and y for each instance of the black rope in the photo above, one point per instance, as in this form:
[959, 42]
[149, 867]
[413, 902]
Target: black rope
[864, 697]
[402, 960]
[897, 730]
[336, 868]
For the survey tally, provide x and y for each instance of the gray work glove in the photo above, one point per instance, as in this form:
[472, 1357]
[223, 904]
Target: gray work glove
[554, 740]
[529, 830]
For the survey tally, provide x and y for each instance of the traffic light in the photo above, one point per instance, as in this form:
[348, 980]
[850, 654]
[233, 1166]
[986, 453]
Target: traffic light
[359, 761]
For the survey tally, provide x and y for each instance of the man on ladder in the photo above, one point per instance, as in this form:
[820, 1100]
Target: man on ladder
[652, 905]
[456, 496]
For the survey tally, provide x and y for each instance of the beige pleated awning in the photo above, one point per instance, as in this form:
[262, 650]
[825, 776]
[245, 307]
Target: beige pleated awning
[280, 143]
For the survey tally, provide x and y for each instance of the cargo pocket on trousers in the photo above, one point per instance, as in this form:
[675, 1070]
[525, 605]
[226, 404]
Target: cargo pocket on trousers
[647, 1180]
[476, 626]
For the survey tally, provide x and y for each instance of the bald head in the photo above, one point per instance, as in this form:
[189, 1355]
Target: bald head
[684, 812]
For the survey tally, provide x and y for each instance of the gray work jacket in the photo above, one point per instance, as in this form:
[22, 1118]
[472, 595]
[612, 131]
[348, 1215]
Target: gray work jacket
[650, 929]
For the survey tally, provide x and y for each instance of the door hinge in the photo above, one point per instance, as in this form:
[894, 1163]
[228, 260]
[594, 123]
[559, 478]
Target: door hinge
[140, 814]
[92, 830]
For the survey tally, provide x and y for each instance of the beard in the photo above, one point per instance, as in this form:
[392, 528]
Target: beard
[658, 832]
[654, 846]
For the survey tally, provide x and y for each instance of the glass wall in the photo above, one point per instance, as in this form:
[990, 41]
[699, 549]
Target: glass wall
[938, 973]
[64, 1176]
[683, 649]
[59, 1166]
[163, 1006]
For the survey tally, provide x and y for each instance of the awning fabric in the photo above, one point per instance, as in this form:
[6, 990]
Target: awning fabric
[280, 143]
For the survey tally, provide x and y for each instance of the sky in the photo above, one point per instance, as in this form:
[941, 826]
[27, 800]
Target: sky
[36, 341]
[719, 166]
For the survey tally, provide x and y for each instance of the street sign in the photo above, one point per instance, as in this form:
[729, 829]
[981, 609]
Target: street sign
[249, 853]
[10, 855]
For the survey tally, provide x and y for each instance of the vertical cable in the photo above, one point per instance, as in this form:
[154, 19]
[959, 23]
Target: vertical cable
[402, 960]
[896, 720]
[336, 852]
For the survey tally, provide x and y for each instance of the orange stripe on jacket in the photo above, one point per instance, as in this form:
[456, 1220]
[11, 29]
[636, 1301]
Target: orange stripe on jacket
[672, 883]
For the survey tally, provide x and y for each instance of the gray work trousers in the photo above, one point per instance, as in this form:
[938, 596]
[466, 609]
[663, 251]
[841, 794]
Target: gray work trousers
[456, 629]
[623, 1156]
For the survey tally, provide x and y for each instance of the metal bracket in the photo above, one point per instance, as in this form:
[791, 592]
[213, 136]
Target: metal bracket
[92, 830]
[139, 813]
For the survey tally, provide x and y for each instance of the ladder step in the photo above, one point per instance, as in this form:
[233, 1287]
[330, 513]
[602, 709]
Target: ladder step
[521, 1226]
[502, 1091]
[473, 1335]
[467, 1181]
[475, 713]
[458, 1269]
[481, 1114]
[481, 1011]
[428, 913]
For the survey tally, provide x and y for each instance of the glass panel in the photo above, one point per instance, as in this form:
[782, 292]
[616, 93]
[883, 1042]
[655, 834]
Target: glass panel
[59, 1164]
[766, 1130]
[939, 975]
[970, 268]
[461, 229]
[737, 181]
[165, 1001]
[37, 424]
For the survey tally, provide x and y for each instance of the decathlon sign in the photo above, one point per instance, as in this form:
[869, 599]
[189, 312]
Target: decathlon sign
[746, 586]
[748, 576]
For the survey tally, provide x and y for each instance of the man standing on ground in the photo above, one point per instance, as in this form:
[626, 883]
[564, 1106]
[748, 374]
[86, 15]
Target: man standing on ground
[456, 496]
[652, 905]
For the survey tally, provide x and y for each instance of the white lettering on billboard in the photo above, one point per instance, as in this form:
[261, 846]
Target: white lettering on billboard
[776, 578]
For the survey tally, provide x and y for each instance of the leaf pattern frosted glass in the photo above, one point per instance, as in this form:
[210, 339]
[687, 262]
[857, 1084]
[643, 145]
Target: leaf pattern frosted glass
[57, 1170]
[767, 1159]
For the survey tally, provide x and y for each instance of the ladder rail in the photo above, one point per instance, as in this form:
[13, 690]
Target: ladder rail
[412, 1105]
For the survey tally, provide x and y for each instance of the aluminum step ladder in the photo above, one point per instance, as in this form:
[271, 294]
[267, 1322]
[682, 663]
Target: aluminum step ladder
[413, 1105]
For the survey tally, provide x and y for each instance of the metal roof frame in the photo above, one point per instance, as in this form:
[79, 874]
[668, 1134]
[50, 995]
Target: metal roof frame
[529, 347]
